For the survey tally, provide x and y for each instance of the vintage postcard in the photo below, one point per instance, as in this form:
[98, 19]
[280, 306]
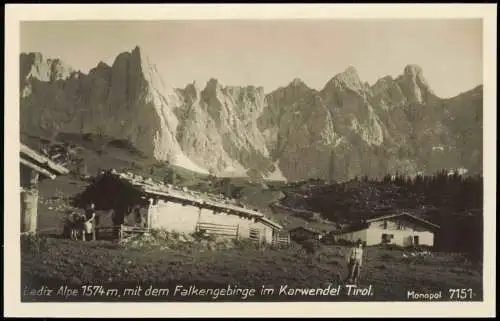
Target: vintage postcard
[298, 160]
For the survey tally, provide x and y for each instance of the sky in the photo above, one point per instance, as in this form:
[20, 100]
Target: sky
[271, 53]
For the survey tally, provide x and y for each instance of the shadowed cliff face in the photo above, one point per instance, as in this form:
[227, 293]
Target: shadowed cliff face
[113, 100]
[347, 129]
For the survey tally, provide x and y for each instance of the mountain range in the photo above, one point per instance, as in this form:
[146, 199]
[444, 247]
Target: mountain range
[348, 128]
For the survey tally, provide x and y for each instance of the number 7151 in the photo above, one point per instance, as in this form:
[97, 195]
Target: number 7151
[460, 294]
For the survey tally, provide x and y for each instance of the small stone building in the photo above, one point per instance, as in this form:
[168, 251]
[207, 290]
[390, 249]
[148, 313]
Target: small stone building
[403, 229]
[144, 203]
[303, 233]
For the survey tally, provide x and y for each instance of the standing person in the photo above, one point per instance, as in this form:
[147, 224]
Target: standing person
[354, 262]
[90, 221]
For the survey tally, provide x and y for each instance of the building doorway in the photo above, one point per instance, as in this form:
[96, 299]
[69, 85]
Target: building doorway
[416, 240]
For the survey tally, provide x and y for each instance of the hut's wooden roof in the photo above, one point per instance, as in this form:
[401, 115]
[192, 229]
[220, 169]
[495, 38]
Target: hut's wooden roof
[40, 163]
[405, 215]
[314, 229]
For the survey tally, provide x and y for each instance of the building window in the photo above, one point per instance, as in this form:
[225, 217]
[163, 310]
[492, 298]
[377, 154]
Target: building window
[385, 225]
[387, 238]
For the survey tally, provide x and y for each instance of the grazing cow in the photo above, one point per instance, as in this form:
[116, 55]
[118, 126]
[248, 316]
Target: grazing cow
[76, 226]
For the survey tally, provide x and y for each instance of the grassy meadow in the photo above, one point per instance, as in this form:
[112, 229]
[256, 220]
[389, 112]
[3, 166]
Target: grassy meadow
[170, 260]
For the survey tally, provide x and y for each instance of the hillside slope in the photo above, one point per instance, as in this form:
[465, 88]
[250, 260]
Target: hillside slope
[453, 202]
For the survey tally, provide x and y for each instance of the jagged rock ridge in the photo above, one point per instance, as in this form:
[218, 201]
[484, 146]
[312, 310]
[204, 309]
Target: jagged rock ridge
[346, 129]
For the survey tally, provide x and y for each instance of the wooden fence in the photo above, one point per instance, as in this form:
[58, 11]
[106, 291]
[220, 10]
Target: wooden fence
[254, 235]
[117, 232]
[282, 239]
[218, 229]
[127, 230]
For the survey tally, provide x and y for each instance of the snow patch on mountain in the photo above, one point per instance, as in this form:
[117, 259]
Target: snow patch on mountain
[182, 161]
[276, 175]
[370, 130]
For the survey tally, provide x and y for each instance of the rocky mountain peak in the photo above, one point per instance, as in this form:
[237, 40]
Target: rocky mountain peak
[103, 65]
[385, 80]
[413, 70]
[212, 85]
[382, 85]
[350, 71]
[35, 57]
[192, 91]
[136, 50]
[35, 65]
[133, 56]
[297, 82]
[415, 74]
[414, 85]
[193, 86]
[349, 78]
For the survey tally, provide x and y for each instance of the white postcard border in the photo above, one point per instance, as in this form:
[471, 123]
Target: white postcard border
[16, 13]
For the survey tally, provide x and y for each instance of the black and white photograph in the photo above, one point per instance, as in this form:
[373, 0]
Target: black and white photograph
[252, 160]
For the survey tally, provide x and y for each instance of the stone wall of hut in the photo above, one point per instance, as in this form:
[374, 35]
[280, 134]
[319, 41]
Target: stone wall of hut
[182, 218]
